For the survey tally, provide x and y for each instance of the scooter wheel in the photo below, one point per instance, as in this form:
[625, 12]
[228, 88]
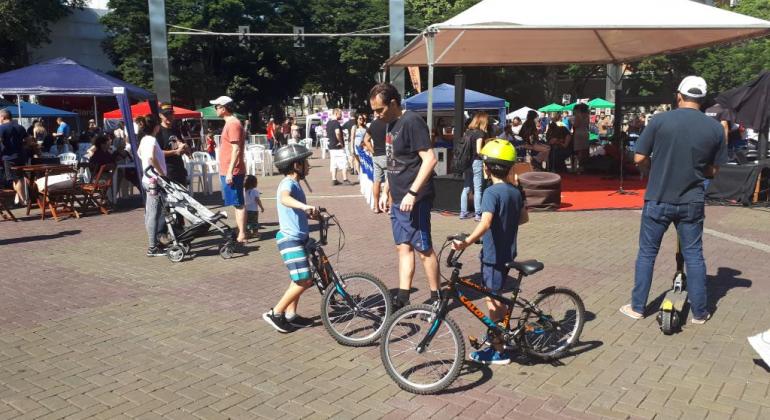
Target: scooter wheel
[226, 251]
[175, 253]
[669, 322]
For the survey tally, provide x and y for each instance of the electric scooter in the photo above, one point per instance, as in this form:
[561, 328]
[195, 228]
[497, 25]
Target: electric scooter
[671, 315]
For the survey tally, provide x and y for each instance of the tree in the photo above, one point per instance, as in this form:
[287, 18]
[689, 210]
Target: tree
[25, 23]
[256, 72]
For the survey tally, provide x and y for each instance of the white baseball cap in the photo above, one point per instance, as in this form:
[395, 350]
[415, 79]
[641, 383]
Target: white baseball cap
[693, 86]
[222, 100]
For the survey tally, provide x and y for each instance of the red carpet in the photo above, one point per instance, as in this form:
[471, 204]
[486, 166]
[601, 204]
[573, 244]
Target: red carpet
[592, 192]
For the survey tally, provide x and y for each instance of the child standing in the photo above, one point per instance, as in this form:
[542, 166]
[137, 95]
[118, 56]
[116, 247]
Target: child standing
[211, 145]
[293, 213]
[502, 211]
[251, 195]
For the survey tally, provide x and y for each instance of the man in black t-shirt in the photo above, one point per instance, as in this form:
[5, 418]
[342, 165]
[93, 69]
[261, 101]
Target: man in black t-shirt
[338, 160]
[374, 142]
[173, 145]
[408, 191]
[682, 147]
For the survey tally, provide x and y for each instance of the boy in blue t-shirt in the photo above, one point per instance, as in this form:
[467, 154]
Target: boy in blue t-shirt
[502, 211]
[293, 213]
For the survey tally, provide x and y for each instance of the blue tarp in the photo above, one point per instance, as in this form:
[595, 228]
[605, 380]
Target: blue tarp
[64, 77]
[444, 99]
[37, 111]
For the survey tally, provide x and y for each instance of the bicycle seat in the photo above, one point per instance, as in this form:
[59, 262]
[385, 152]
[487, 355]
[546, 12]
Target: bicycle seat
[527, 267]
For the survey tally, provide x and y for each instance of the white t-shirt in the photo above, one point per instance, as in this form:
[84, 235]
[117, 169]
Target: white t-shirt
[251, 199]
[147, 148]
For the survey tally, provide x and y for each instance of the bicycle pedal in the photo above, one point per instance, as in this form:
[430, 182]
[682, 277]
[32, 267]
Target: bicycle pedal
[474, 342]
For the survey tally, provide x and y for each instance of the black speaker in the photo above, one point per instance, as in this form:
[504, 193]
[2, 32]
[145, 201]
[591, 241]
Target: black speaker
[448, 189]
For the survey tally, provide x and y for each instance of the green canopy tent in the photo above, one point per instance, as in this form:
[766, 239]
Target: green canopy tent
[551, 108]
[600, 103]
[570, 107]
[209, 113]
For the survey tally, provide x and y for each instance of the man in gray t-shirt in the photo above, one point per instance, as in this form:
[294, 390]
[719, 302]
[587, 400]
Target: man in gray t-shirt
[683, 148]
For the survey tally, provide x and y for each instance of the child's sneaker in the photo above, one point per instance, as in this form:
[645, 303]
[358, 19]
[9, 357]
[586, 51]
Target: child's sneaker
[278, 322]
[464, 216]
[490, 356]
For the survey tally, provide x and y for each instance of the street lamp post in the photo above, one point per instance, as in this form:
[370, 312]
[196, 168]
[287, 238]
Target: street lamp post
[159, 47]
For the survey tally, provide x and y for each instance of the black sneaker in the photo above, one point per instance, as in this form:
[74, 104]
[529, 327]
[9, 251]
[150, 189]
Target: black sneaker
[300, 321]
[278, 322]
[346, 182]
[155, 251]
[335, 182]
[397, 304]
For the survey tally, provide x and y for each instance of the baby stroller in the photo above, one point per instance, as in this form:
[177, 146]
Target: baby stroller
[199, 219]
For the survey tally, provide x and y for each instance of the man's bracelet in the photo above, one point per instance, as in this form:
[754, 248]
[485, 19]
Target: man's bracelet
[412, 193]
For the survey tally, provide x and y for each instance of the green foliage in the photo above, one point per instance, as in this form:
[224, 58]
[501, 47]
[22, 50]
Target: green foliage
[722, 67]
[26, 23]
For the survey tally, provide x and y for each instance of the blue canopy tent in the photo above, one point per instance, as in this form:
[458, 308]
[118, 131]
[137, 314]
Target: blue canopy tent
[444, 99]
[37, 111]
[64, 77]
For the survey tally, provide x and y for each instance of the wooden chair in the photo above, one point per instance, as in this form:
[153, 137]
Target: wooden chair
[95, 194]
[4, 210]
[59, 200]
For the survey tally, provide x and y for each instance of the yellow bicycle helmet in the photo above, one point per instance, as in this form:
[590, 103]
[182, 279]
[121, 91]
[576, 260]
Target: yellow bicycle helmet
[499, 151]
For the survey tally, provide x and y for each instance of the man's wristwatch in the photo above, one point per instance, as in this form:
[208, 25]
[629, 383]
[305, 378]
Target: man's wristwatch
[412, 193]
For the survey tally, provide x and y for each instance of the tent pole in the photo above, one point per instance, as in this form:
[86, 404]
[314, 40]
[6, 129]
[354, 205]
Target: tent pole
[429, 39]
[18, 105]
[96, 115]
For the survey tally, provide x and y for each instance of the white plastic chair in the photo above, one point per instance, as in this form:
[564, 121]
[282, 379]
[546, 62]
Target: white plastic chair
[68, 159]
[195, 170]
[255, 161]
[209, 166]
[324, 147]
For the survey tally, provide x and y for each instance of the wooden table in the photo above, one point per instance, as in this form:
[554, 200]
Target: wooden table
[31, 172]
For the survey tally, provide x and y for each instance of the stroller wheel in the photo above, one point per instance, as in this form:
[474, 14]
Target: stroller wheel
[175, 253]
[186, 247]
[226, 251]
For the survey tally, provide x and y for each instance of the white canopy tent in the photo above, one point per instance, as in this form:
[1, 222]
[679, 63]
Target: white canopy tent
[521, 113]
[508, 32]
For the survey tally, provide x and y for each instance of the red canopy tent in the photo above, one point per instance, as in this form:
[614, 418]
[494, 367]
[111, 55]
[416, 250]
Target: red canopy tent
[143, 108]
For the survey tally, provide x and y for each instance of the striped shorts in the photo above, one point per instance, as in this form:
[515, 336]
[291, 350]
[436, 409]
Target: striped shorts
[294, 256]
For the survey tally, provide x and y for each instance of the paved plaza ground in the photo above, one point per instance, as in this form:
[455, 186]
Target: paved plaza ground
[90, 327]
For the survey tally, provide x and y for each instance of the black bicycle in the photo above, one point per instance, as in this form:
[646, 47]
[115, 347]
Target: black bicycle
[423, 349]
[354, 306]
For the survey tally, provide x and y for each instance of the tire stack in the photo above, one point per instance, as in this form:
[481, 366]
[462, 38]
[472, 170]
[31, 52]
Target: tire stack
[542, 189]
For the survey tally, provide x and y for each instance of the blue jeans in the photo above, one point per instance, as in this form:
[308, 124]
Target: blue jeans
[473, 178]
[688, 220]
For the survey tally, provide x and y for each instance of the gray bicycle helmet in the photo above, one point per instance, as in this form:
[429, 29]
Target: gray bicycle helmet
[287, 155]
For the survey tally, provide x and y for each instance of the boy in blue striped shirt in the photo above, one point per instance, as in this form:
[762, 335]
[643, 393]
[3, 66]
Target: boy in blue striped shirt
[293, 213]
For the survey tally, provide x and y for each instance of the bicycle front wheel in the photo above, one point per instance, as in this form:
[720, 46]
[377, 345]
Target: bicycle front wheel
[362, 324]
[550, 333]
[431, 370]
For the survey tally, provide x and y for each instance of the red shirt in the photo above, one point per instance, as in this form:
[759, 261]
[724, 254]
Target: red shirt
[231, 134]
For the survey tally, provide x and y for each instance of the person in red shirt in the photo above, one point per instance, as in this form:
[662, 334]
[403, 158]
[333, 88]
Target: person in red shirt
[232, 168]
[271, 133]
[211, 145]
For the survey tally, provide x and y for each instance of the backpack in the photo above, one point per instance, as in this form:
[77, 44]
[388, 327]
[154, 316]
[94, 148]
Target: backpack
[462, 153]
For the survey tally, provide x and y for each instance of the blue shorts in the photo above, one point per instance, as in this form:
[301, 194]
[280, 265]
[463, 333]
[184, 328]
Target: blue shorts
[294, 256]
[413, 227]
[493, 276]
[233, 194]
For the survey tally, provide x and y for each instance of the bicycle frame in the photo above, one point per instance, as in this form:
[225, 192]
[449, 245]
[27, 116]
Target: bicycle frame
[323, 271]
[454, 291]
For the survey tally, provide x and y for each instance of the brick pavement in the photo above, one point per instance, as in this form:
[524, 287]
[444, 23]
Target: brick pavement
[89, 327]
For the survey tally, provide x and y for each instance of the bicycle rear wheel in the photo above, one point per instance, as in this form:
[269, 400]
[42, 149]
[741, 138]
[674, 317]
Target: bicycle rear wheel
[363, 324]
[549, 334]
[437, 366]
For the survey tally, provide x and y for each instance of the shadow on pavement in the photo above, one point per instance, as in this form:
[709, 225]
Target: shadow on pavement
[11, 241]
[761, 363]
[717, 287]
[470, 368]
